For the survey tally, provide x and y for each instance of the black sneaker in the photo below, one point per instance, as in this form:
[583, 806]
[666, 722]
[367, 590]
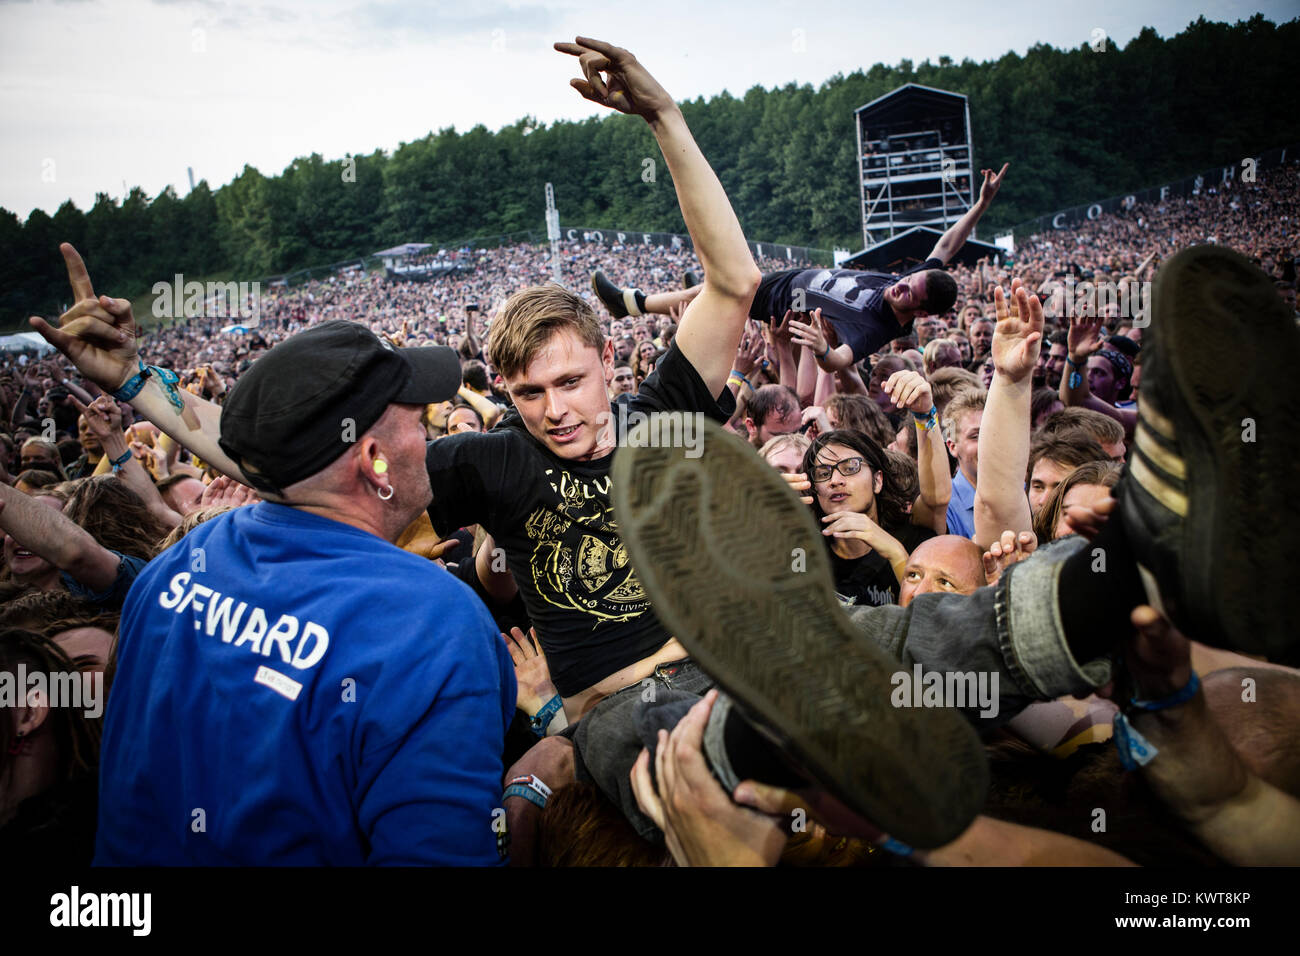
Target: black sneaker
[620, 303]
[1208, 499]
[690, 280]
[735, 567]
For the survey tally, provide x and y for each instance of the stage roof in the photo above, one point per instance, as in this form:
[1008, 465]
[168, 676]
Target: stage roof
[405, 249]
[910, 248]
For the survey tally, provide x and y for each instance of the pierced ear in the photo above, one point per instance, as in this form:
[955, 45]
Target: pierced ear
[370, 457]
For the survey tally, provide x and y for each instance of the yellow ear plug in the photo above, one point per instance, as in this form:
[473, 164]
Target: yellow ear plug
[381, 466]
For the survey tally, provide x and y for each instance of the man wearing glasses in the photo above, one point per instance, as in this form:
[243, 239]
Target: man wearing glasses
[863, 517]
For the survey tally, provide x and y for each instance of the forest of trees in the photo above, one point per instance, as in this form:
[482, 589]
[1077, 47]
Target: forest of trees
[1076, 125]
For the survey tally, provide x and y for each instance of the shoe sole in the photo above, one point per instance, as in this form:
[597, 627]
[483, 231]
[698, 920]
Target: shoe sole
[1232, 586]
[716, 541]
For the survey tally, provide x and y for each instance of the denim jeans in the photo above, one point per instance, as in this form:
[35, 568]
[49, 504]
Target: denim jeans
[607, 741]
[1012, 629]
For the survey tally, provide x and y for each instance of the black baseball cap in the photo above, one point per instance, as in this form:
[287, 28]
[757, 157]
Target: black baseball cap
[300, 405]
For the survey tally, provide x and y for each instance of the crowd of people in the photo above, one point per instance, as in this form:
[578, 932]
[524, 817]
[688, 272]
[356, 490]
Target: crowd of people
[359, 582]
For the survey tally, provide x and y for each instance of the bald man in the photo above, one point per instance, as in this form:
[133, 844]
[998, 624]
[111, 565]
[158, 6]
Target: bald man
[946, 564]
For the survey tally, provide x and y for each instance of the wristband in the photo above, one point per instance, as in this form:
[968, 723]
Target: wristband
[131, 387]
[826, 353]
[166, 378]
[121, 460]
[540, 720]
[530, 788]
[1076, 378]
[1173, 700]
[897, 847]
[735, 374]
[927, 421]
[1134, 749]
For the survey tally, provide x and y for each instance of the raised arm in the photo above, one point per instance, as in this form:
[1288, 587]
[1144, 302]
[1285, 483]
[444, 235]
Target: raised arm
[488, 410]
[950, 242]
[911, 391]
[714, 321]
[99, 336]
[1000, 500]
[781, 347]
[1084, 340]
[59, 540]
[105, 420]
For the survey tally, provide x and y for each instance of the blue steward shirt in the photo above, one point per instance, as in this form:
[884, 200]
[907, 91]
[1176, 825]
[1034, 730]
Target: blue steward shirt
[291, 690]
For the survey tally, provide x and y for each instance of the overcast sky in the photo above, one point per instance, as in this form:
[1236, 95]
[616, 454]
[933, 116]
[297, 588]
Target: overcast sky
[95, 94]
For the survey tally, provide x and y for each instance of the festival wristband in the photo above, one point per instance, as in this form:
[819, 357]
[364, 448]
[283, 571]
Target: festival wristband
[121, 460]
[1173, 700]
[1076, 379]
[826, 353]
[131, 387]
[166, 378]
[928, 421]
[1134, 749]
[529, 788]
[735, 374]
[540, 720]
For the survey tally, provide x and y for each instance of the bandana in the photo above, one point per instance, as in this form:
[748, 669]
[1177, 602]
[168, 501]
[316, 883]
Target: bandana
[1123, 365]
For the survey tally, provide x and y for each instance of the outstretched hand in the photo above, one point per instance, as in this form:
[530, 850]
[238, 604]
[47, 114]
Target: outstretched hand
[103, 417]
[627, 87]
[751, 350]
[226, 492]
[815, 333]
[909, 390]
[1007, 550]
[780, 332]
[532, 674]
[1018, 335]
[992, 183]
[98, 333]
[1084, 336]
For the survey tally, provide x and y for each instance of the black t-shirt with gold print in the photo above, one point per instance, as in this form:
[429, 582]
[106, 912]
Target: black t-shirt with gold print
[555, 521]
